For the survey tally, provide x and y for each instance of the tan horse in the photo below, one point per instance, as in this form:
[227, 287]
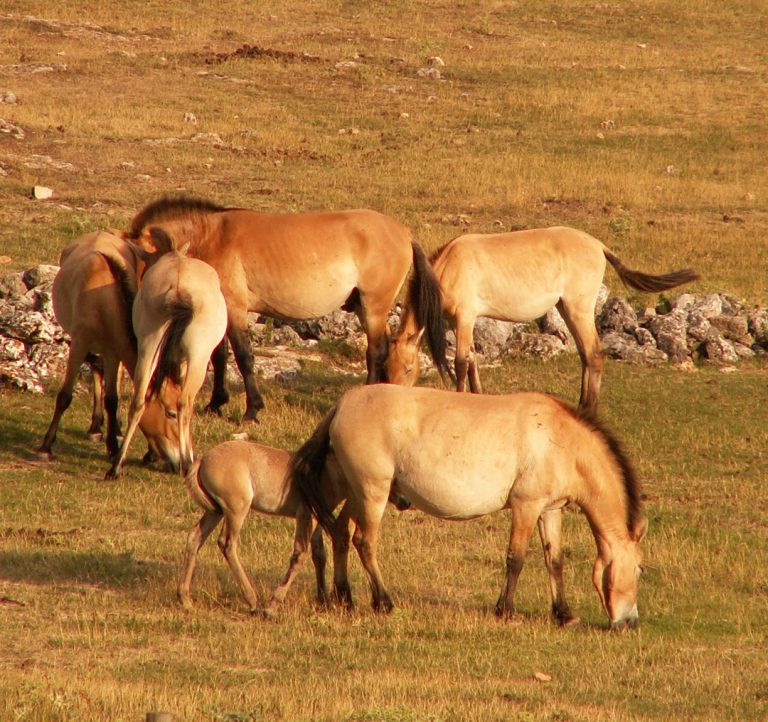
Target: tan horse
[179, 316]
[519, 276]
[300, 266]
[463, 456]
[237, 476]
[93, 294]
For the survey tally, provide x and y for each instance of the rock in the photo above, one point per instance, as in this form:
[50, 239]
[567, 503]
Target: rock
[42, 193]
[432, 73]
[490, 336]
[757, 325]
[552, 323]
[617, 315]
[39, 275]
[669, 331]
[719, 350]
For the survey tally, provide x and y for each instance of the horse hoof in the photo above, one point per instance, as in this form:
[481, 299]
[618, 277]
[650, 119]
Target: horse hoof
[96, 436]
[112, 474]
[41, 455]
[568, 621]
[267, 613]
[215, 410]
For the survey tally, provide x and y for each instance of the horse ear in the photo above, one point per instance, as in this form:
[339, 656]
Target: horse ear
[639, 530]
[183, 250]
[141, 253]
[163, 242]
[415, 338]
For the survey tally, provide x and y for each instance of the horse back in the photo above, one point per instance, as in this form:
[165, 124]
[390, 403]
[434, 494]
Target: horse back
[518, 275]
[93, 291]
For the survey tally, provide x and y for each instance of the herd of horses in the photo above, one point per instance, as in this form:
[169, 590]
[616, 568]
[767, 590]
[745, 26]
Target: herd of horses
[174, 291]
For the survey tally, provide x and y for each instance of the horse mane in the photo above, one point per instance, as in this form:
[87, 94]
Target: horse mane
[439, 251]
[169, 208]
[629, 478]
[180, 311]
[126, 287]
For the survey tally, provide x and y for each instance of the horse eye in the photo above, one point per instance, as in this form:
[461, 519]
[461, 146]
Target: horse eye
[170, 414]
[408, 370]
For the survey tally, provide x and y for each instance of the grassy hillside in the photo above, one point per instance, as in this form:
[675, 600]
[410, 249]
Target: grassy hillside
[641, 122]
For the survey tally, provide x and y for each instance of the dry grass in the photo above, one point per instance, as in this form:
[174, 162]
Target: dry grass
[643, 123]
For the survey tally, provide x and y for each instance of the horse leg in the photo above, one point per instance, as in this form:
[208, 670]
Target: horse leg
[550, 530]
[581, 324]
[523, 520]
[373, 318]
[220, 394]
[111, 403]
[97, 413]
[366, 541]
[465, 352]
[228, 541]
[341, 535]
[146, 363]
[208, 522]
[319, 560]
[76, 357]
[241, 346]
[300, 546]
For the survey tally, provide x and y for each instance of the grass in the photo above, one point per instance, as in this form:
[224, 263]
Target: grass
[642, 123]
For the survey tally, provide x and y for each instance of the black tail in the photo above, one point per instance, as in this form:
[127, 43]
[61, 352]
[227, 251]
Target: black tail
[126, 284]
[169, 363]
[306, 471]
[425, 299]
[645, 281]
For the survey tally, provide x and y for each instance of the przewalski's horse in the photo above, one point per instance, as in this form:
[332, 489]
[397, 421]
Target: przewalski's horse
[93, 295]
[519, 276]
[234, 477]
[463, 456]
[179, 317]
[300, 266]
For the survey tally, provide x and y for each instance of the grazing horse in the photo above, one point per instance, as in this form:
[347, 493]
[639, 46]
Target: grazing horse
[519, 276]
[236, 476]
[93, 293]
[179, 317]
[300, 266]
[463, 456]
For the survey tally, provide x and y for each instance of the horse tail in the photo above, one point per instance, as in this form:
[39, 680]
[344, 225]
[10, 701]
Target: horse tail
[425, 299]
[180, 312]
[125, 280]
[197, 490]
[306, 471]
[647, 282]
[632, 489]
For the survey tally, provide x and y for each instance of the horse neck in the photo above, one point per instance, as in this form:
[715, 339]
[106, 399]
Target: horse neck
[195, 229]
[605, 506]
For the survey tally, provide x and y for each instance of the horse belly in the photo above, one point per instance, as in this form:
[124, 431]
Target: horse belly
[456, 489]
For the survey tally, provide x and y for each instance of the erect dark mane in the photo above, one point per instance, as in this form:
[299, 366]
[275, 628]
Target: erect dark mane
[169, 208]
[438, 252]
[628, 475]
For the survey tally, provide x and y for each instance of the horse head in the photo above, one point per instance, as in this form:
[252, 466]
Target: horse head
[402, 366]
[160, 425]
[615, 576]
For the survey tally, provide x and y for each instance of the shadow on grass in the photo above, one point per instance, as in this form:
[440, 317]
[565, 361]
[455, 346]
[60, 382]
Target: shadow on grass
[117, 571]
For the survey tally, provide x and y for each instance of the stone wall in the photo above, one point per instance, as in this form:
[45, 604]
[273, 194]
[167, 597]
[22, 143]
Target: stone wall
[712, 328]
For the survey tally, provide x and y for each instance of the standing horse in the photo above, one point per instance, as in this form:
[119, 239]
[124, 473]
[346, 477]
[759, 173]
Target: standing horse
[179, 317]
[519, 276]
[300, 266]
[236, 476]
[93, 294]
[463, 456]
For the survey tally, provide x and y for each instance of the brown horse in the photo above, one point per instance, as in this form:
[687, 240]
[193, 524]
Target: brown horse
[300, 266]
[93, 295]
[463, 456]
[519, 276]
[179, 317]
[237, 476]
